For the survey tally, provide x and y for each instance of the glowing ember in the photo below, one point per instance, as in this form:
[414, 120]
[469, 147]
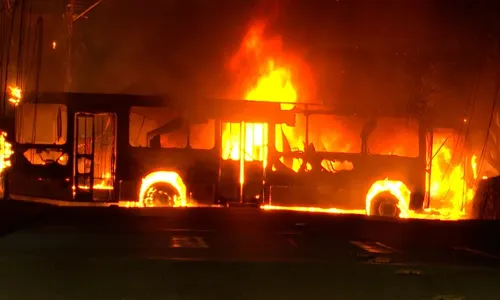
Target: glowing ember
[473, 162]
[313, 209]
[105, 183]
[5, 152]
[168, 177]
[15, 95]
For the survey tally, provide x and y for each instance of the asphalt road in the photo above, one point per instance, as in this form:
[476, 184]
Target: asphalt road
[240, 253]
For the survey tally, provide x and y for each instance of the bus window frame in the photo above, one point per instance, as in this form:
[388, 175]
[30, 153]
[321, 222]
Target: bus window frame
[185, 127]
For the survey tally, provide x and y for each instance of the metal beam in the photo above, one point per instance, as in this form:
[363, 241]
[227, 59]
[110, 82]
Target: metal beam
[76, 17]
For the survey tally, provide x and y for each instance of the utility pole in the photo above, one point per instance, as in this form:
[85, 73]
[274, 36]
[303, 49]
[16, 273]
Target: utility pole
[70, 12]
[71, 16]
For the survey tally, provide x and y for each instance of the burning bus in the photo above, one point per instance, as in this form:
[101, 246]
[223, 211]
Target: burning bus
[279, 148]
[107, 148]
[343, 158]
[102, 149]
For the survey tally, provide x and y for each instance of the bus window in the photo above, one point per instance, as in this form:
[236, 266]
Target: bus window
[147, 123]
[330, 133]
[202, 136]
[394, 136]
[291, 138]
[44, 124]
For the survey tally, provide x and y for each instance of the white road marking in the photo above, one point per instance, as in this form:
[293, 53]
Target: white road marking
[477, 252]
[184, 230]
[188, 242]
[374, 247]
[292, 242]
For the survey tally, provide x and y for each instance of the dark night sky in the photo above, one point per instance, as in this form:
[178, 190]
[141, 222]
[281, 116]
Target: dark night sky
[364, 50]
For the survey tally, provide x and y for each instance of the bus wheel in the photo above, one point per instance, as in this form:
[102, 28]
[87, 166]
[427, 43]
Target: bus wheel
[161, 194]
[385, 205]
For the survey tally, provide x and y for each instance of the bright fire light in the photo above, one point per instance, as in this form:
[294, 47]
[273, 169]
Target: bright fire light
[265, 73]
[5, 152]
[273, 85]
[15, 95]
[314, 209]
[168, 177]
[396, 188]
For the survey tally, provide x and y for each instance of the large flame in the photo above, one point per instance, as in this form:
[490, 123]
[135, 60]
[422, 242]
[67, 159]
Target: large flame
[15, 95]
[450, 191]
[265, 73]
[5, 152]
[273, 83]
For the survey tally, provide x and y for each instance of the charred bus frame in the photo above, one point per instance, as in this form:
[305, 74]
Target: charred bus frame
[91, 158]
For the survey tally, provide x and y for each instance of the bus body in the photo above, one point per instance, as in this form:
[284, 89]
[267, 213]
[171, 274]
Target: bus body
[98, 148]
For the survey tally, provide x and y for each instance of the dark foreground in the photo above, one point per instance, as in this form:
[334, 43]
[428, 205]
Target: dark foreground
[110, 253]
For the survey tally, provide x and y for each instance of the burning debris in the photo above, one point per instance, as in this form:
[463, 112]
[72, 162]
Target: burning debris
[15, 94]
[5, 152]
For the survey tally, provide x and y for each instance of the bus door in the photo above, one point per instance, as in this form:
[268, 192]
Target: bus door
[95, 157]
[245, 151]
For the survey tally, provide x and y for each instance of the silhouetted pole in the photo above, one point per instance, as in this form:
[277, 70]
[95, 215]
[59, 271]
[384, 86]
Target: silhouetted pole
[71, 17]
[70, 12]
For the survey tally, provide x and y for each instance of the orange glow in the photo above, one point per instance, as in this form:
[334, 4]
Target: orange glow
[396, 188]
[15, 95]
[273, 83]
[473, 162]
[449, 189]
[5, 152]
[313, 209]
[264, 72]
[54, 45]
[105, 183]
[169, 177]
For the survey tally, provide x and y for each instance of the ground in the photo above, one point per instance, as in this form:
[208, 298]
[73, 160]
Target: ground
[240, 253]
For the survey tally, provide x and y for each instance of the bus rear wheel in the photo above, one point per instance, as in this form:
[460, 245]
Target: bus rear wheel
[385, 205]
[161, 194]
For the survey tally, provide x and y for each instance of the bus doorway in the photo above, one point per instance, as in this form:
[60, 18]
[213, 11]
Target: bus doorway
[244, 154]
[94, 162]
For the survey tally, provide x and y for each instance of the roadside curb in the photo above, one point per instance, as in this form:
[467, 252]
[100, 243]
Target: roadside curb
[17, 215]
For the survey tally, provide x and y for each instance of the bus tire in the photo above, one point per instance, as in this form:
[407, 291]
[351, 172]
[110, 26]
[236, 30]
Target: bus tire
[161, 194]
[385, 205]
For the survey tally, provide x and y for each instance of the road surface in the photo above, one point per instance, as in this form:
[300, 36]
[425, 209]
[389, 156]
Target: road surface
[241, 253]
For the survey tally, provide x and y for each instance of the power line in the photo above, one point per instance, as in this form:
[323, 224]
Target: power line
[471, 103]
[7, 59]
[493, 108]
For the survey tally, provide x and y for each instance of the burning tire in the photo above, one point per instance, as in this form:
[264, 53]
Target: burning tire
[385, 205]
[161, 194]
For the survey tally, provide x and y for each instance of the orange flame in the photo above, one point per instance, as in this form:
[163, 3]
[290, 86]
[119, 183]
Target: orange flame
[264, 73]
[449, 188]
[15, 95]
[169, 177]
[274, 84]
[396, 188]
[5, 152]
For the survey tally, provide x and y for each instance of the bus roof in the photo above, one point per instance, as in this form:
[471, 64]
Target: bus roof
[242, 110]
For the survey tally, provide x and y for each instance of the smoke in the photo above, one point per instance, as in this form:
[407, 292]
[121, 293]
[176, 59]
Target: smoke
[358, 51]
